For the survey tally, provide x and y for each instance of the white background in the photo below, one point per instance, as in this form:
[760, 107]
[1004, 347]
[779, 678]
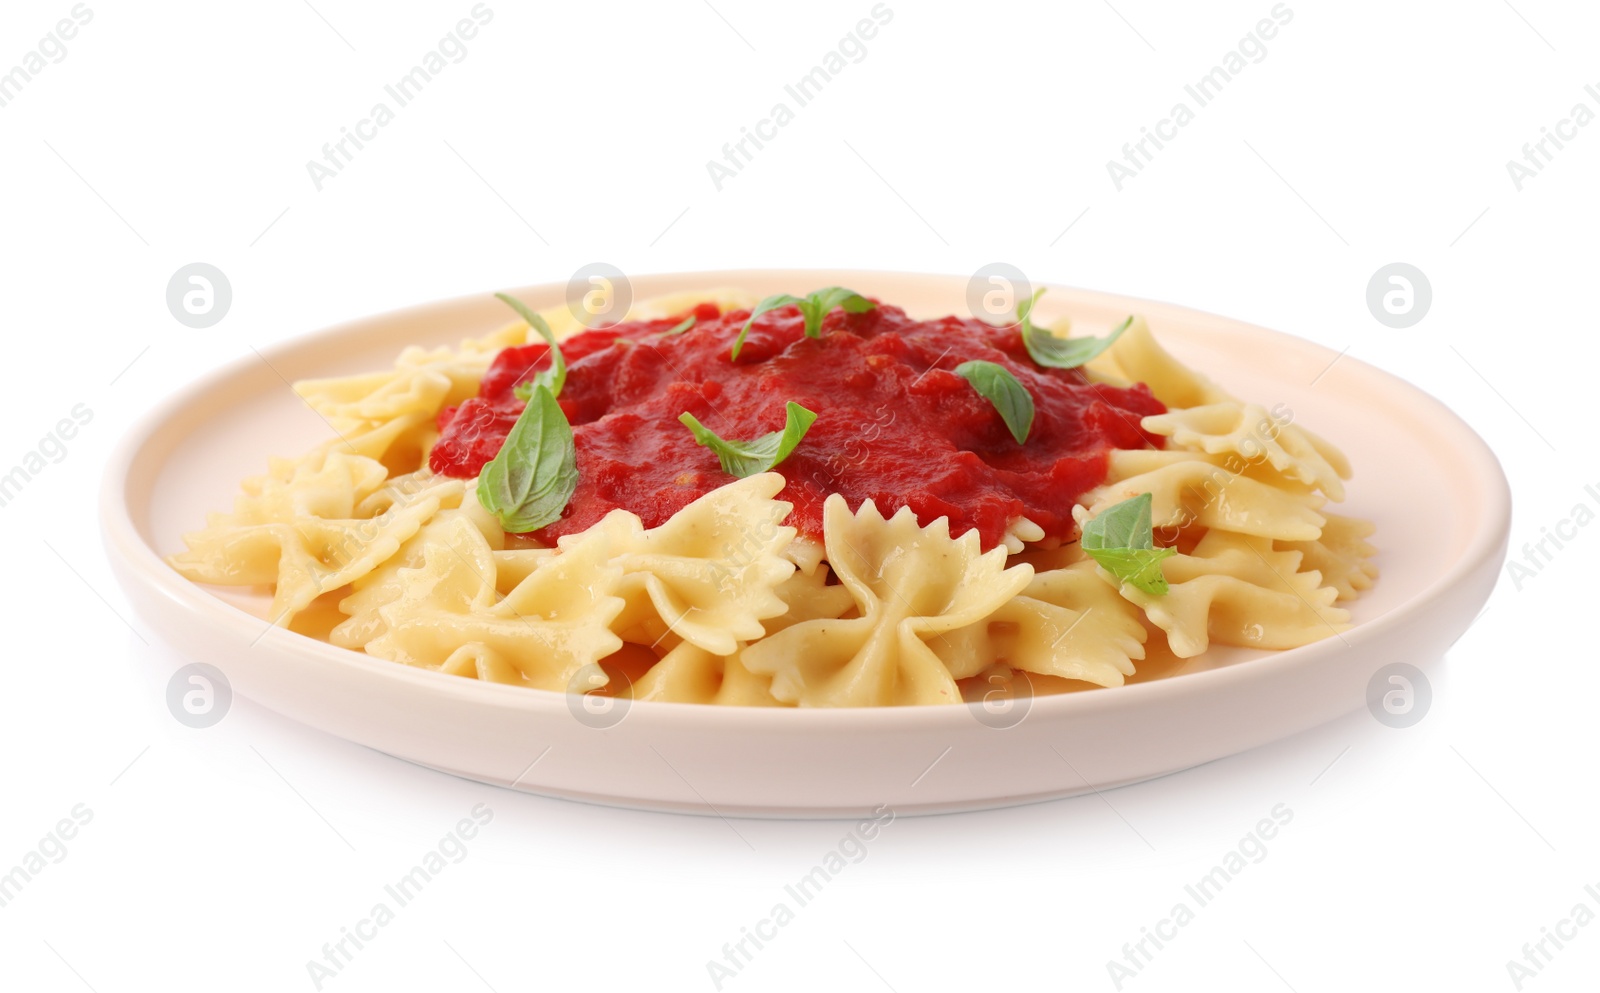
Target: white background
[1371, 133]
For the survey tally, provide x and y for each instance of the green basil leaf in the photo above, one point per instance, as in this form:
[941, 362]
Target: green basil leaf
[527, 485]
[746, 458]
[1139, 569]
[1060, 353]
[813, 307]
[822, 302]
[1025, 307]
[554, 377]
[1123, 525]
[680, 328]
[1122, 541]
[770, 303]
[1001, 388]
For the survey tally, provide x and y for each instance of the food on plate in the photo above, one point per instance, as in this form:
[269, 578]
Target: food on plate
[814, 500]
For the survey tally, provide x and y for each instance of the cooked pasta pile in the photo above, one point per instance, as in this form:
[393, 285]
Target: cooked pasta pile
[724, 603]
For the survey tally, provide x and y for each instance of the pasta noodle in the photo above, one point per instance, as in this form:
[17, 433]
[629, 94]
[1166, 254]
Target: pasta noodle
[1340, 554]
[911, 585]
[1065, 622]
[1190, 490]
[710, 574]
[1248, 431]
[1238, 590]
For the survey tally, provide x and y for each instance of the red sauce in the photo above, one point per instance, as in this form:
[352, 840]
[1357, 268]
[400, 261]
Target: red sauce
[894, 423]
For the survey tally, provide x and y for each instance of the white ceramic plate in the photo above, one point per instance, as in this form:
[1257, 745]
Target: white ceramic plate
[1439, 556]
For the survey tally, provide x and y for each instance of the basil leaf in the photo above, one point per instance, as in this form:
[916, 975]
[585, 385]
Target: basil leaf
[746, 458]
[1121, 540]
[1060, 353]
[813, 307]
[1001, 388]
[770, 303]
[527, 485]
[824, 301]
[686, 324]
[1141, 569]
[1122, 525]
[554, 377]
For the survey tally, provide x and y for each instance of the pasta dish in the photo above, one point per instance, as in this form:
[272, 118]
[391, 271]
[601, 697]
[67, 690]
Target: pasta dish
[815, 501]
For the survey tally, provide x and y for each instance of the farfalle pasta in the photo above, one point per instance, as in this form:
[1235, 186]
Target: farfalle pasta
[909, 587]
[802, 501]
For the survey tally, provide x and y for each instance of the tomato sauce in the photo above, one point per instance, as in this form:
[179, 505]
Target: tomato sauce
[894, 423]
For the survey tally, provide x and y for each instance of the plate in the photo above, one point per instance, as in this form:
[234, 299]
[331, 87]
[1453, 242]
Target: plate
[1440, 558]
